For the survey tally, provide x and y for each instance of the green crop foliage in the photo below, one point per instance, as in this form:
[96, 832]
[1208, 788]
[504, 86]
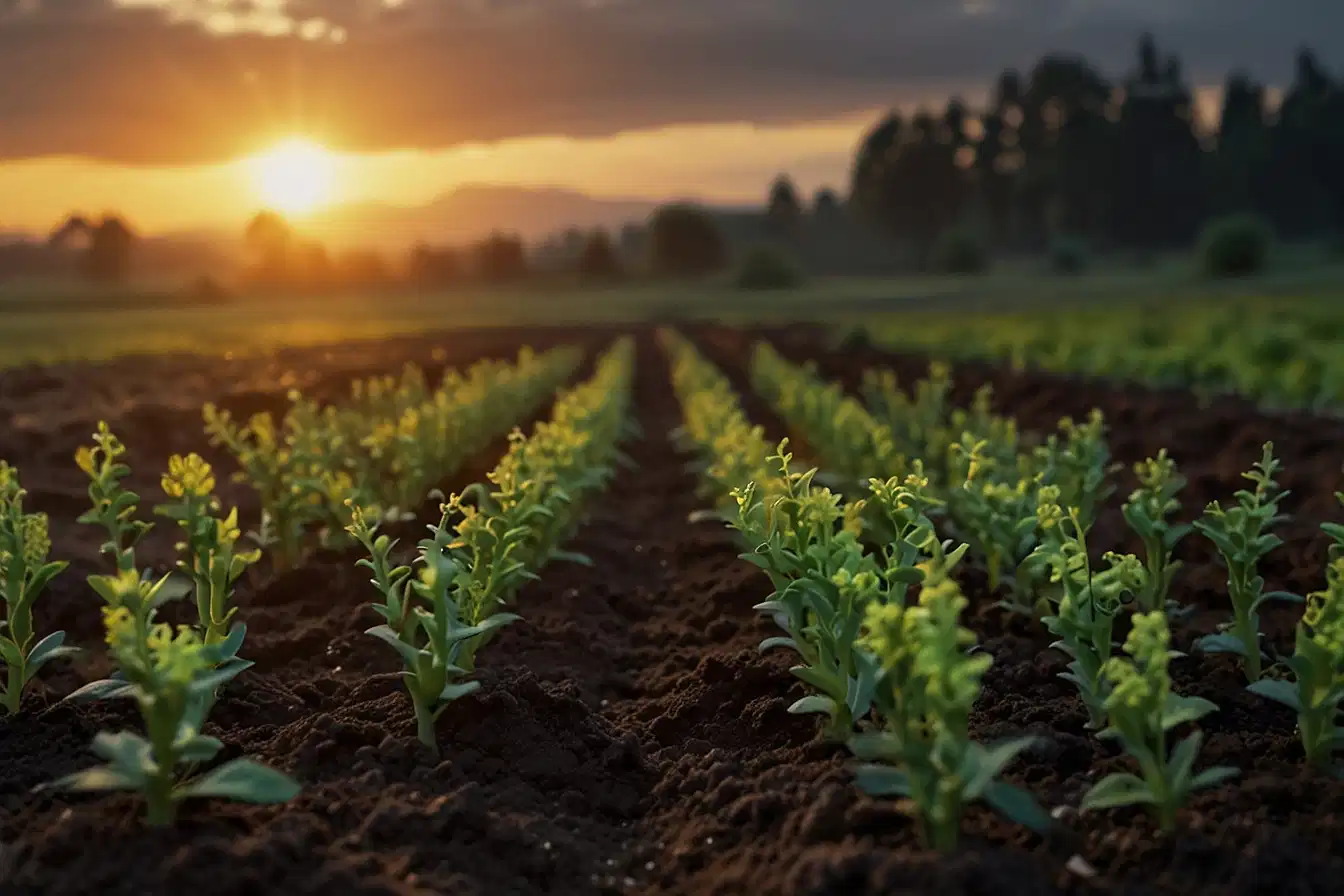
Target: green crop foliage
[927, 685]
[1242, 536]
[1087, 601]
[1148, 512]
[173, 677]
[807, 541]
[384, 451]
[424, 621]
[1142, 711]
[208, 558]
[836, 426]
[492, 539]
[730, 450]
[25, 572]
[210, 555]
[1317, 667]
[1279, 351]
[113, 505]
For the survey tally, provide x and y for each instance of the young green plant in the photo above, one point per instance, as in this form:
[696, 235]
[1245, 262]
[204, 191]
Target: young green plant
[113, 505]
[173, 680]
[1142, 711]
[1242, 534]
[1149, 511]
[24, 572]
[928, 683]
[422, 619]
[1087, 601]
[209, 556]
[1317, 666]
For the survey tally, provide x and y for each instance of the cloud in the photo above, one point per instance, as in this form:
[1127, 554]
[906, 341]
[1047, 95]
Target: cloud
[184, 81]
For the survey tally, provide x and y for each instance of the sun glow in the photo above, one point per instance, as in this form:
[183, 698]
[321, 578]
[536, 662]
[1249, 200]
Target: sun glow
[295, 177]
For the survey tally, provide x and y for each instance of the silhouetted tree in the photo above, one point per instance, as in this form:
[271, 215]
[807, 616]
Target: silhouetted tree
[825, 204]
[501, 258]
[598, 260]
[783, 211]
[270, 239]
[431, 267]
[685, 241]
[107, 246]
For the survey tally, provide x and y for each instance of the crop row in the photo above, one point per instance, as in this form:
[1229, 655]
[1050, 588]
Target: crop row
[1281, 354]
[896, 675]
[385, 449]
[490, 539]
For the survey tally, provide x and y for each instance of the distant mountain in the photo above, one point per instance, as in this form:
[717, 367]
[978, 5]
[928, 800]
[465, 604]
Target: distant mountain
[472, 212]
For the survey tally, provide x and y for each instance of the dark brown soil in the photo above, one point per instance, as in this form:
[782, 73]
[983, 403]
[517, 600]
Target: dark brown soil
[629, 738]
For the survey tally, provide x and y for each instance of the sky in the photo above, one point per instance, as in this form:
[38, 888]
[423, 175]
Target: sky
[151, 107]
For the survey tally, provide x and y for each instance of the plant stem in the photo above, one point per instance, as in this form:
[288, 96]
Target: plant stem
[159, 787]
[424, 724]
[14, 690]
[1248, 633]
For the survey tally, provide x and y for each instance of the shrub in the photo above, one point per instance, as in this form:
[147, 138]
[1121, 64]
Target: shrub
[1068, 255]
[501, 258]
[960, 252]
[598, 260]
[684, 241]
[767, 268]
[1234, 246]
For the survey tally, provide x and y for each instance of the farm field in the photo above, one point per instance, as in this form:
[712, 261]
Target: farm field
[1281, 352]
[628, 736]
[82, 324]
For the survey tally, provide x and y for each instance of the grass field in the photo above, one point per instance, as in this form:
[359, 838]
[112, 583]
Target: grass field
[48, 325]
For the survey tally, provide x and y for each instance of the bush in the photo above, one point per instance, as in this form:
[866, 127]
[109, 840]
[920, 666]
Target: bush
[960, 252]
[598, 259]
[1234, 246]
[1068, 256]
[767, 268]
[684, 241]
[501, 258]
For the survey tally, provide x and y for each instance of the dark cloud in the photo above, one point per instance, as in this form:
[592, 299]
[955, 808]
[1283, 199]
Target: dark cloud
[149, 81]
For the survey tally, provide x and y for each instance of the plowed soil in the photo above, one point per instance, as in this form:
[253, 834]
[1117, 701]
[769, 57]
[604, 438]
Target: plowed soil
[629, 738]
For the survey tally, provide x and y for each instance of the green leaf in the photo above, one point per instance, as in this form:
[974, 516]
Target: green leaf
[1017, 805]
[1117, 790]
[212, 681]
[1287, 597]
[771, 643]
[94, 780]
[880, 780]
[409, 655]
[876, 746]
[128, 753]
[200, 748]
[1182, 762]
[813, 703]
[1279, 691]
[986, 763]
[1223, 643]
[1212, 777]
[245, 781]
[107, 689]
[1180, 709]
[10, 653]
[49, 648]
[572, 557]
[452, 692]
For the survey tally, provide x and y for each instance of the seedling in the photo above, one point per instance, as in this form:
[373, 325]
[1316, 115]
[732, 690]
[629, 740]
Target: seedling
[1142, 711]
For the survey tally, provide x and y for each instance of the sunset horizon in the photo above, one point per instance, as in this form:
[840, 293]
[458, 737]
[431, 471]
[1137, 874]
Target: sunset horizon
[409, 101]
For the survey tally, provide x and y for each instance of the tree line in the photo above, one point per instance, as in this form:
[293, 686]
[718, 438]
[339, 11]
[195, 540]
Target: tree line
[1065, 152]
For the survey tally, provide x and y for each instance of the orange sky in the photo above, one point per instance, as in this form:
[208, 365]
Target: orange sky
[718, 162]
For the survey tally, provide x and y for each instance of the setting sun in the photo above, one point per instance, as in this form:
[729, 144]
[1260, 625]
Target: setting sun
[294, 177]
